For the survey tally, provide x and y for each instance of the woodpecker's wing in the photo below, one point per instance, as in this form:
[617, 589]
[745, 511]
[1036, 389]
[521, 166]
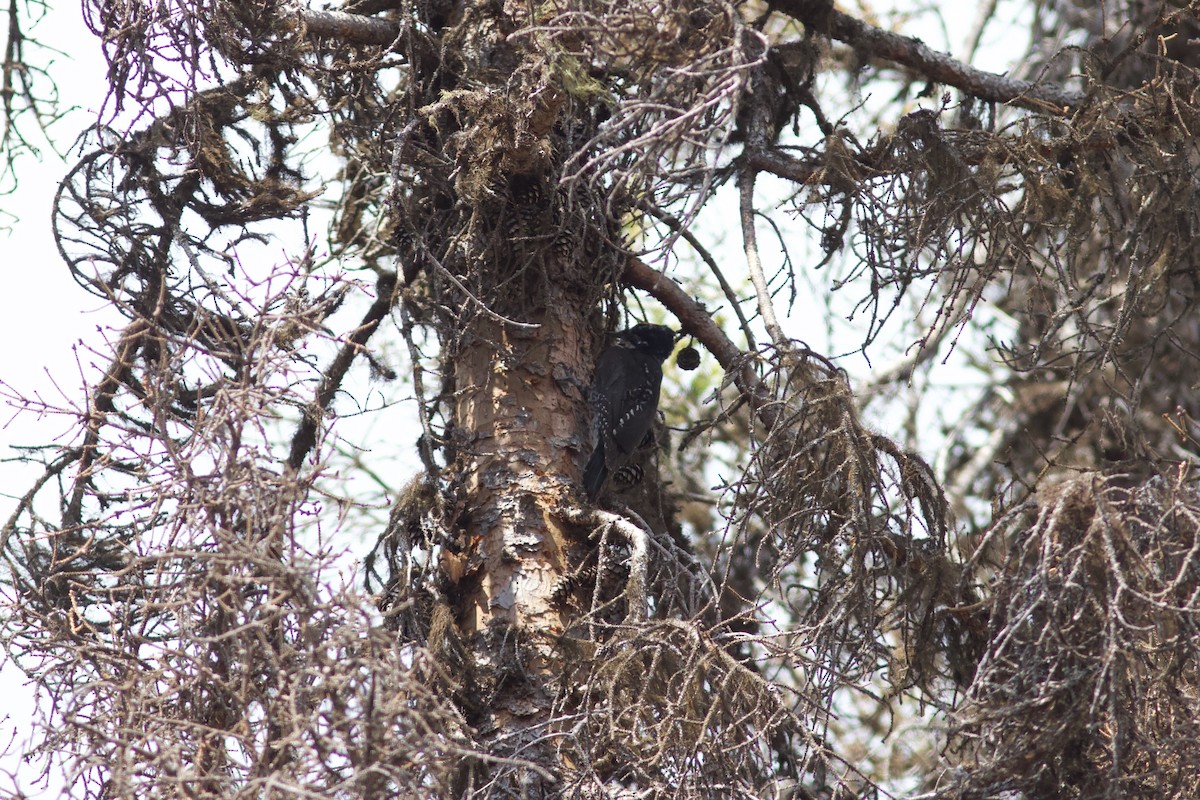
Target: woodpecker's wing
[624, 398]
[635, 406]
[608, 384]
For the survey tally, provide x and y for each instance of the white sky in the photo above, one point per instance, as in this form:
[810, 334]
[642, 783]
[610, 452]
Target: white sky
[45, 316]
[43, 312]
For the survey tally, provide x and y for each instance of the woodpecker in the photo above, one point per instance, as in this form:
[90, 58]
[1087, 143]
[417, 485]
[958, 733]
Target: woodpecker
[624, 398]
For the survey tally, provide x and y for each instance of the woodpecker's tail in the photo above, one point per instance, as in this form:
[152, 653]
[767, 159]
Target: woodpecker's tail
[595, 473]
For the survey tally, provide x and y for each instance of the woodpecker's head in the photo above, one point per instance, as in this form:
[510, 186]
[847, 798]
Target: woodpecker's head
[655, 340]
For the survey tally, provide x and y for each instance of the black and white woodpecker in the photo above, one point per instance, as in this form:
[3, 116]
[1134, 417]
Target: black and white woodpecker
[624, 398]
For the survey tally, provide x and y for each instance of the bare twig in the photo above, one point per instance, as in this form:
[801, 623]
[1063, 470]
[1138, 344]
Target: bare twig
[305, 437]
[428, 438]
[983, 16]
[735, 302]
[482, 306]
[766, 305]
[929, 63]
